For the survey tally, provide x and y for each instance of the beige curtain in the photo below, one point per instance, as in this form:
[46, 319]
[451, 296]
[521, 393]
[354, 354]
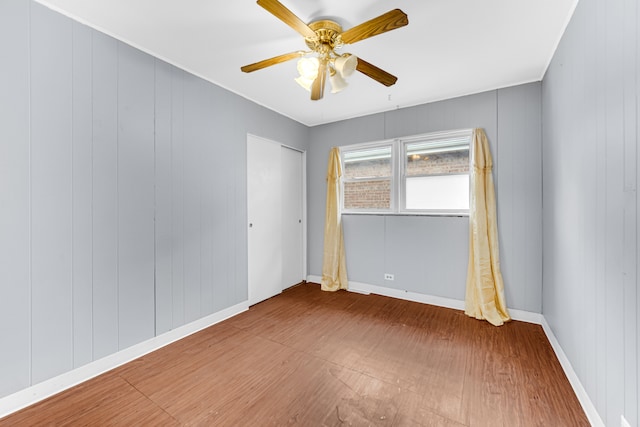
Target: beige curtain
[334, 265]
[485, 288]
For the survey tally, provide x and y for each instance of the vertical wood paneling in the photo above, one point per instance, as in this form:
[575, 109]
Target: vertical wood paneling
[632, 411]
[601, 199]
[82, 197]
[631, 333]
[508, 170]
[614, 301]
[51, 202]
[194, 102]
[136, 303]
[105, 195]
[425, 253]
[163, 205]
[520, 195]
[15, 286]
[366, 265]
[590, 284]
[584, 145]
[236, 191]
[177, 196]
[207, 200]
[224, 246]
[569, 213]
[459, 113]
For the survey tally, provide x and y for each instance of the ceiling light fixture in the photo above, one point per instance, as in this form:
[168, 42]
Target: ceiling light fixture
[339, 68]
[323, 48]
[324, 38]
[325, 59]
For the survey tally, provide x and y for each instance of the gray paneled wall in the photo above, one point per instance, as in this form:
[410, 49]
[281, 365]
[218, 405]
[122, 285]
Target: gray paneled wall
[429, 255]
[122, 194]
[51, 196]
[519, 191]
[135, 196]
[15, 229]
[104, 213]
[82, 190]
[590, 157]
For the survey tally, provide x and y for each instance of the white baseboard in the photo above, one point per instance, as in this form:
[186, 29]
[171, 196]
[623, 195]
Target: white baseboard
[520, 315]
[314, 279]
[41, 391]
[587, 405]
[366, 289]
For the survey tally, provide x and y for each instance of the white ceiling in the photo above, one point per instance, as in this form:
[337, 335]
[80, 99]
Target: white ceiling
[450, 47]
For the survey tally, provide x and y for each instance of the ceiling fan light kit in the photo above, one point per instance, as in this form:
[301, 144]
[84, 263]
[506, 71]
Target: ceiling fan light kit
[323, 38]
[337, 82]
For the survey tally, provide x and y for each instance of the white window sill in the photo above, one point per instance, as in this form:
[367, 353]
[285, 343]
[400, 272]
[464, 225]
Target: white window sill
[432, 214]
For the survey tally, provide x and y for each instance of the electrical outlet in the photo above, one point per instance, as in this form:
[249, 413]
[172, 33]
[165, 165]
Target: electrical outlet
[388, 276]
[624, 422]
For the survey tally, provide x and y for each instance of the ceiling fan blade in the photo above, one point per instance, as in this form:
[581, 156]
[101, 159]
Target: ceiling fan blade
[271, 61]
[278, 10]
[317, 89]
[386, 22]
[376, 73]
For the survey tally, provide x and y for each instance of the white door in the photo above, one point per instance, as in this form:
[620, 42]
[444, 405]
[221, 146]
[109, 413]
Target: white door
[292, 217]
[264, 208]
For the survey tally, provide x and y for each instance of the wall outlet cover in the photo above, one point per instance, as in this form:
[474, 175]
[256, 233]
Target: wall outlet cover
[388, 276]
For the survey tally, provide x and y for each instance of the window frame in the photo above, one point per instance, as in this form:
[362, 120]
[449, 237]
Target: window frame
[398, 174]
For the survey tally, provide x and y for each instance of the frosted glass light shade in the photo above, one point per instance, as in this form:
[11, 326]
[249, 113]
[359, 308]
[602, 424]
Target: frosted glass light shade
[308, 68]
[305, 83]
[337, 83]
[346, 64]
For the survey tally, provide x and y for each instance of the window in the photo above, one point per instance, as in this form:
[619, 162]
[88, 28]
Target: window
[424, 174]
[436, 173]
[367, 178]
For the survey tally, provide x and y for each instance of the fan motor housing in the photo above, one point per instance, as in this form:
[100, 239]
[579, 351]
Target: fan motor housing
[327, 35]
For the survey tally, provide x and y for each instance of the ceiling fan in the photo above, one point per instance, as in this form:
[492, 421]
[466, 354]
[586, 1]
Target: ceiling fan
[324, 37]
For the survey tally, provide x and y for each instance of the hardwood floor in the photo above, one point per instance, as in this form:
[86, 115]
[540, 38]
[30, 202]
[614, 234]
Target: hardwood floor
[314, 358]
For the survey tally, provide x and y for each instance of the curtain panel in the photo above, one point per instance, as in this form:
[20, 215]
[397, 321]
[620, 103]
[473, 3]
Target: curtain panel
[485, 287]
[334, 265]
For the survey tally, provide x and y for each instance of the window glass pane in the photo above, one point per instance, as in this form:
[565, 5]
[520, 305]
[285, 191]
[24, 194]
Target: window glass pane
[438, 192]
[435, 158]
[368, 163]
[367, 194]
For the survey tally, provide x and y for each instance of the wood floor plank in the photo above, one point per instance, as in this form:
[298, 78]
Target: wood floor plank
[220, 377]
[308, 358]
[105, 400]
